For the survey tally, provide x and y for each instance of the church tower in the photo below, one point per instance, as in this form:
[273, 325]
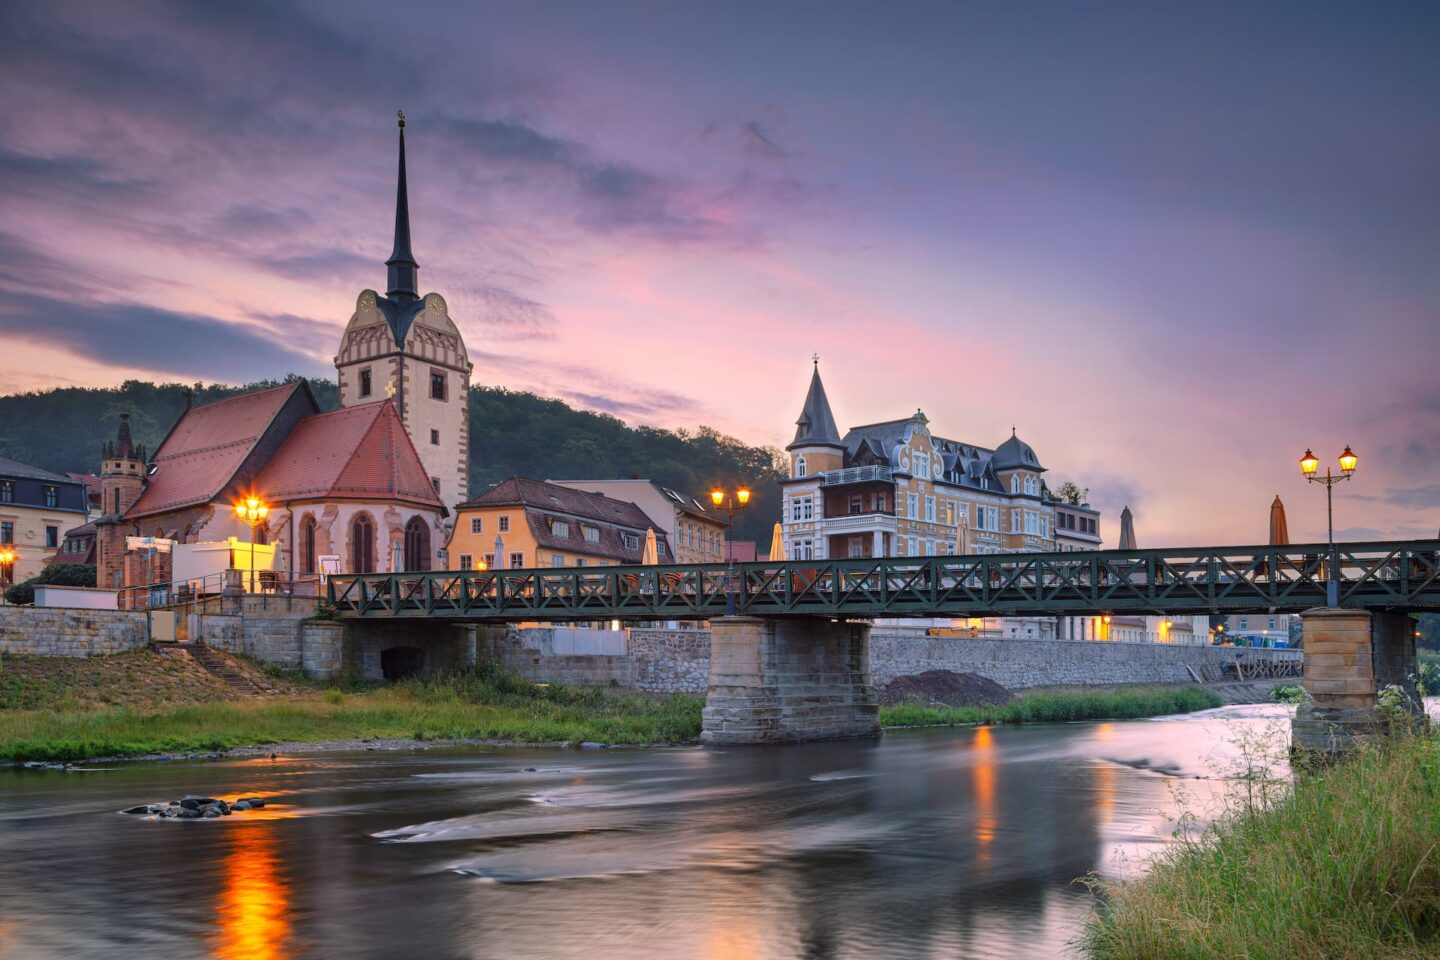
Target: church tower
[405, 347]
[122, 480]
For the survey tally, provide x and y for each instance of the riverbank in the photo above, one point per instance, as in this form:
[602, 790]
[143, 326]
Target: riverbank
[1346, 865]
[478, 708]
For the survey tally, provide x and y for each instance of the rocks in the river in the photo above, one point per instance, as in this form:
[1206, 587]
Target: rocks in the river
[196, 808]
[592, 745]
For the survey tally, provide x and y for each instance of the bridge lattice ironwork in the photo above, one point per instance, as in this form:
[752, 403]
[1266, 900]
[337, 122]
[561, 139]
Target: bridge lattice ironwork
[1401, 575]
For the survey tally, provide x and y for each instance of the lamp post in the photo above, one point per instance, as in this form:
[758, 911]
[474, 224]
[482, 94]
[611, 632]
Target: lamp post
[730, 502]
[252, 511]
[7, 569]
[1309, 466]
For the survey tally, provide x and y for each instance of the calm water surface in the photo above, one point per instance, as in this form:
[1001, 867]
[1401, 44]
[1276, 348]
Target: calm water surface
[957, 843]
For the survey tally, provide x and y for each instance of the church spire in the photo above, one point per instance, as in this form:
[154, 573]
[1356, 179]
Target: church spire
[816, 424]
[402, 265]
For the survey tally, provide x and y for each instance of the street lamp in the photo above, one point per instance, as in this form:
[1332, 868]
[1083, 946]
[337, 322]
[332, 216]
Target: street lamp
[7, 569]
[730, 502]
[252, 512]
[1309, 466]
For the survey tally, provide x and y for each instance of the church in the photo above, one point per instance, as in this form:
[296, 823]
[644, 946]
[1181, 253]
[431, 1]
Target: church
[370, 483]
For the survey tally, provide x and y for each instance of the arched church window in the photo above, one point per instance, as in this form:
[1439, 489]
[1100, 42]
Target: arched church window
[362, 545]
[307, 545]
[417, 545]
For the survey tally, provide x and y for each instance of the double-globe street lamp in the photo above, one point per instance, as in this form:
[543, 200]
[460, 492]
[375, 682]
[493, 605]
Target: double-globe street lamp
[739, 500]
[1310, 465]
[252, 511]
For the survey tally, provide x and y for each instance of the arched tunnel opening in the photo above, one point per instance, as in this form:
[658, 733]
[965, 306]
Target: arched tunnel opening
[398, 663]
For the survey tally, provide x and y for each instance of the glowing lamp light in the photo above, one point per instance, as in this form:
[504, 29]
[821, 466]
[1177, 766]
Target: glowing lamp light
[1309, 463]
[717, 497]
[1348, 460]
[252, 510]
[743, 494]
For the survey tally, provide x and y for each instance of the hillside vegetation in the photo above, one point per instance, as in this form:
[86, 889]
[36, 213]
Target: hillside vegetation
[510, 433]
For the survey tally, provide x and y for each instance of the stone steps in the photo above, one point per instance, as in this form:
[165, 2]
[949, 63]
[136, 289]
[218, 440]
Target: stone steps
[218, 666]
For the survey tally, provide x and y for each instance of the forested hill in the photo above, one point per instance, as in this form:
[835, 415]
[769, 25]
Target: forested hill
[510, 433]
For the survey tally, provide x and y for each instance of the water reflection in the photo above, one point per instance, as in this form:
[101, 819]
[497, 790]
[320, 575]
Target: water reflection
[254, 910]
[927, 843]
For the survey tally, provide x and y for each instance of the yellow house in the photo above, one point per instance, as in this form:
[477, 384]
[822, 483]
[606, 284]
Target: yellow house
[36, 508]
[528, 523]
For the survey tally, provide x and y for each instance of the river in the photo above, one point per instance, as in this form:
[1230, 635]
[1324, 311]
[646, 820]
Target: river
[925, 843]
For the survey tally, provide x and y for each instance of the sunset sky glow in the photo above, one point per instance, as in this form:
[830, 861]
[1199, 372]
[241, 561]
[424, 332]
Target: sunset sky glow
[1172, 247]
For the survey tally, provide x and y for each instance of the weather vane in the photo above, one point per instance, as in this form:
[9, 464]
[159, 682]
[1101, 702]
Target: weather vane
[400, 115]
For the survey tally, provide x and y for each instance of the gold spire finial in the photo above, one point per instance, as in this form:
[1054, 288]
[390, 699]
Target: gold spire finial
[400, 116]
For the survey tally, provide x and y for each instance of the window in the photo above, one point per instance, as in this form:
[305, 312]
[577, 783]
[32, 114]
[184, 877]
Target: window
[7, 491]
[1244, 623]
[591, 534]
[632, 541]
[1014, 483]
[880, 503]
[437, 385]
[914, 547]
[307, 545]
[489, 561]
[517, 561]
[477, 524]
[435, 484]
[503, 524]
[117, 501]
[802, 550]
[922, 466]
[7, 532]
[800, 466]
[802, 508]
[435, 438]
[560, 528]
[52, 496]
[362, 545]
[912, 504]
[467, 561]
[365, 382]
[556, 560]
[1272, 623]
[930, 509]
[417, 545]
[579, 561]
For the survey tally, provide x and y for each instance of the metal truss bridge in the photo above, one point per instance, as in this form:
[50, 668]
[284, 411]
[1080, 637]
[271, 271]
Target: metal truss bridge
[1395, 576]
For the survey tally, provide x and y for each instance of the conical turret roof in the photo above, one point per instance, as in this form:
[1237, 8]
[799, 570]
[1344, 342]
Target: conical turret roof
[816, 424]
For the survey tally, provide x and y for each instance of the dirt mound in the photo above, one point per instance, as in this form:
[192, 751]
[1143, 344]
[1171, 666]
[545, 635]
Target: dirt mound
[944, 688]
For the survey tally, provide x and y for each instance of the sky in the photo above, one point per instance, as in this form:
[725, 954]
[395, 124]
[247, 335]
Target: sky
[1171, 245]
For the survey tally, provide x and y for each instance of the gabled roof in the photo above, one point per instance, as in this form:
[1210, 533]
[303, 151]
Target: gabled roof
[816, 425]
[207, 447]
[522, 491]
[354, 453]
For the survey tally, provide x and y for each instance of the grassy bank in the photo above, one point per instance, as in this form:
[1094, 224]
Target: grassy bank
[1346, 866]
[463, 707]
[1127, 704]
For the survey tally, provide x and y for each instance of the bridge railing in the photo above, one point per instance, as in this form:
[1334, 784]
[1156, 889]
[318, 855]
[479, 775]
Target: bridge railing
[1391, 575]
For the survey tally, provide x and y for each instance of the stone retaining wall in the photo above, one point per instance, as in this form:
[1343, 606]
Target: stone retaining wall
[1018, 664]
[71, 632]
[656, 661]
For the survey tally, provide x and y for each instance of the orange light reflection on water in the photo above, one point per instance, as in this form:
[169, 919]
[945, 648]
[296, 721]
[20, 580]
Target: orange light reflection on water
[986, 821]
[254, 909]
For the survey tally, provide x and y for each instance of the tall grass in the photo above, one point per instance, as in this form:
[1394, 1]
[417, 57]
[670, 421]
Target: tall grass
[466, 706]
[1343, 867]
[1061, 706]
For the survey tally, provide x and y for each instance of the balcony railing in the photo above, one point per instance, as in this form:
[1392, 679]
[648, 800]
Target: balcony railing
[870, 519]
[831, 478]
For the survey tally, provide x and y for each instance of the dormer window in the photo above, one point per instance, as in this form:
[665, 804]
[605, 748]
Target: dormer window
[560, 528]
[1014, 483]
[592, 534]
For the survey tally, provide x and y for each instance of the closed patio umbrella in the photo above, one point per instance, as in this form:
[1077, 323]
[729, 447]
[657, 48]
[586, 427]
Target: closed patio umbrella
[962, 534]
[1127, 530]
[651, 554]
[777, 544]
[1279, 530]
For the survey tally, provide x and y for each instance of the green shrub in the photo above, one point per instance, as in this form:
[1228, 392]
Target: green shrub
[1060, 706]
[60, 574]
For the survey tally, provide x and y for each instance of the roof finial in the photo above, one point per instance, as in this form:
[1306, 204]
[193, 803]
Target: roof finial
[1012, 429]
[815, 359]
[402, 266]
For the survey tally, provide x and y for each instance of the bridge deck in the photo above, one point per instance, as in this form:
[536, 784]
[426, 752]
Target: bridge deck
[1402, 575]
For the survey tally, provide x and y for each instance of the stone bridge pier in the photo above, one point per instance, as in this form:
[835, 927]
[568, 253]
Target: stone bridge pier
[1350, 656]
[777, 680]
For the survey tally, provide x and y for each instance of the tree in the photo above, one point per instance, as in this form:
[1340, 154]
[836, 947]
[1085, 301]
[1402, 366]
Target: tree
[1069, 492]
[60, 574]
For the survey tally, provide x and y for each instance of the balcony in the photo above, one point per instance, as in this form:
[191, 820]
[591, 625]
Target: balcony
[833, 478]
[856, 522]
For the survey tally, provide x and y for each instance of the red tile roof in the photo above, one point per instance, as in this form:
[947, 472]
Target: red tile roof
[354, 453]
[206, 447]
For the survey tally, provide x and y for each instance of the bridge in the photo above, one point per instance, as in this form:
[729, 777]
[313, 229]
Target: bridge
[791, 661]
[1385, 576]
